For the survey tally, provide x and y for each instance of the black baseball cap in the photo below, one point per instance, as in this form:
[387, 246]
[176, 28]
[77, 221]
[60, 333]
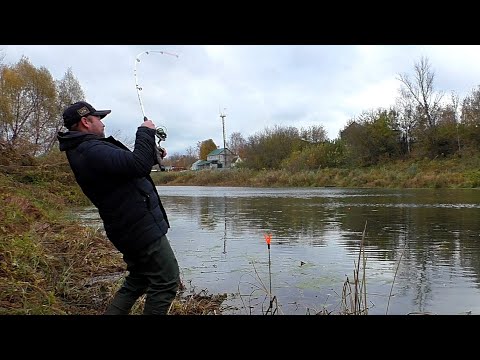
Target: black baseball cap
[75, 112]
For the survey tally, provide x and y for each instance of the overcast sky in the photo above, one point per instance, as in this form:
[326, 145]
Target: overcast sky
[256, 86]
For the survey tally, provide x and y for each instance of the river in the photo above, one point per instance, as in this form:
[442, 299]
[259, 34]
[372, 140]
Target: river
[422, 246]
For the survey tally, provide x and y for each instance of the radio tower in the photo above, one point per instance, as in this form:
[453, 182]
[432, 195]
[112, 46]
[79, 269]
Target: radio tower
[223, 115]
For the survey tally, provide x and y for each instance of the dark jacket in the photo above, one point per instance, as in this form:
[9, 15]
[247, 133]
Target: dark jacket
[118, 183]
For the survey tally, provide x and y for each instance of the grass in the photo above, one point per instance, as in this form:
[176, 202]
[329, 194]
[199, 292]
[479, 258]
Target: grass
[354, 298]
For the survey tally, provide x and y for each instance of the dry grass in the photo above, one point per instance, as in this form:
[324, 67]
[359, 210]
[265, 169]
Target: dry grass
[200, 303]
[354, 296]
[438, 173]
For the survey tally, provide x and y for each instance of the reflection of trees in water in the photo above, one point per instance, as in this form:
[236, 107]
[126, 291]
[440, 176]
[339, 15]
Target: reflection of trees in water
[290, 219]
[467, 247]
[225, 225]
[207, 217]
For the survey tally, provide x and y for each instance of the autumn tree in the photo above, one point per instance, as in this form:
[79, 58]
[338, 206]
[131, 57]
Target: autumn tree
[267, 149]
[206, 147]
[318, 156]
[371, 137]
[31, 106]
[470, 115]
[448, 127]
[470, 111]
[69, 90]
[28, 113]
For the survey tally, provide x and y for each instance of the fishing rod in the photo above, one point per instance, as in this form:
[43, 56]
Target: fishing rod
[161, 130]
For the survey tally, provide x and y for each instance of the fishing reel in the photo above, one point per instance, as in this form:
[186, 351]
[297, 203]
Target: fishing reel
[161, 134]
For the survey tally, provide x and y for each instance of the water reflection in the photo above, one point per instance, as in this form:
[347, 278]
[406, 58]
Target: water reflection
[225, 225]
[316, 235]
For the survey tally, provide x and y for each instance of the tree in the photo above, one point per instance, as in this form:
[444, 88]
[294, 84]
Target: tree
[427, 103]
[206, 147]
[267, 149]
[372, 137]
[407, 118]
[471, 108]
[237, 144]
[69, 90]
[179, 160]
[422, 91]
[470, 115]
[319, 155]
[31, 104]
[449, 123]
[314, 134]
[192, 152]
[28, 113]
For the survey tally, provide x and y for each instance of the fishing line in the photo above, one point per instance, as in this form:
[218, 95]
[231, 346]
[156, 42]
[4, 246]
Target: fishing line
[161, 130]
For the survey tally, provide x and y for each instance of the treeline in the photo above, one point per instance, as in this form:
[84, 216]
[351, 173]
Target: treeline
[31, 106]
[423, 124]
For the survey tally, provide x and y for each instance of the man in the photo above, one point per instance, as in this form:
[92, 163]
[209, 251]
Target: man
[118, 183]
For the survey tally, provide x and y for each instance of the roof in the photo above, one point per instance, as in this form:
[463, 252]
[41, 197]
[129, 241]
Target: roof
[218, 152]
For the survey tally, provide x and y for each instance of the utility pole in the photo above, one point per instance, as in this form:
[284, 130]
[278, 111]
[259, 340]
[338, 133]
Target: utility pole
[223, 115]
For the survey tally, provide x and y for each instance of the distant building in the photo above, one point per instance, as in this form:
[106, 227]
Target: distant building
[216, 160]
[200, 165]
[221, 158]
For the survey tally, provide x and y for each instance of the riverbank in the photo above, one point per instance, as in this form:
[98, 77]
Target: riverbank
[441, 173]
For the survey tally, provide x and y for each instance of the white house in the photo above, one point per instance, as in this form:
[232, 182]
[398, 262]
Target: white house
[221, 158]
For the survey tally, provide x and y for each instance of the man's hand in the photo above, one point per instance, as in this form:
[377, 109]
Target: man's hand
[149, 124]
[162, 152]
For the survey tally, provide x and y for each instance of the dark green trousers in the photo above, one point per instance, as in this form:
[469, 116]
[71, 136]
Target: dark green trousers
[154, 273]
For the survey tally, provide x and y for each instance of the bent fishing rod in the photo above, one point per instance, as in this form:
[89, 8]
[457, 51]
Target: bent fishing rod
[161, 130]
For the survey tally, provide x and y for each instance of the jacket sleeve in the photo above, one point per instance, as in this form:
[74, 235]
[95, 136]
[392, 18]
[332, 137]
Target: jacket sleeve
[106, 159]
